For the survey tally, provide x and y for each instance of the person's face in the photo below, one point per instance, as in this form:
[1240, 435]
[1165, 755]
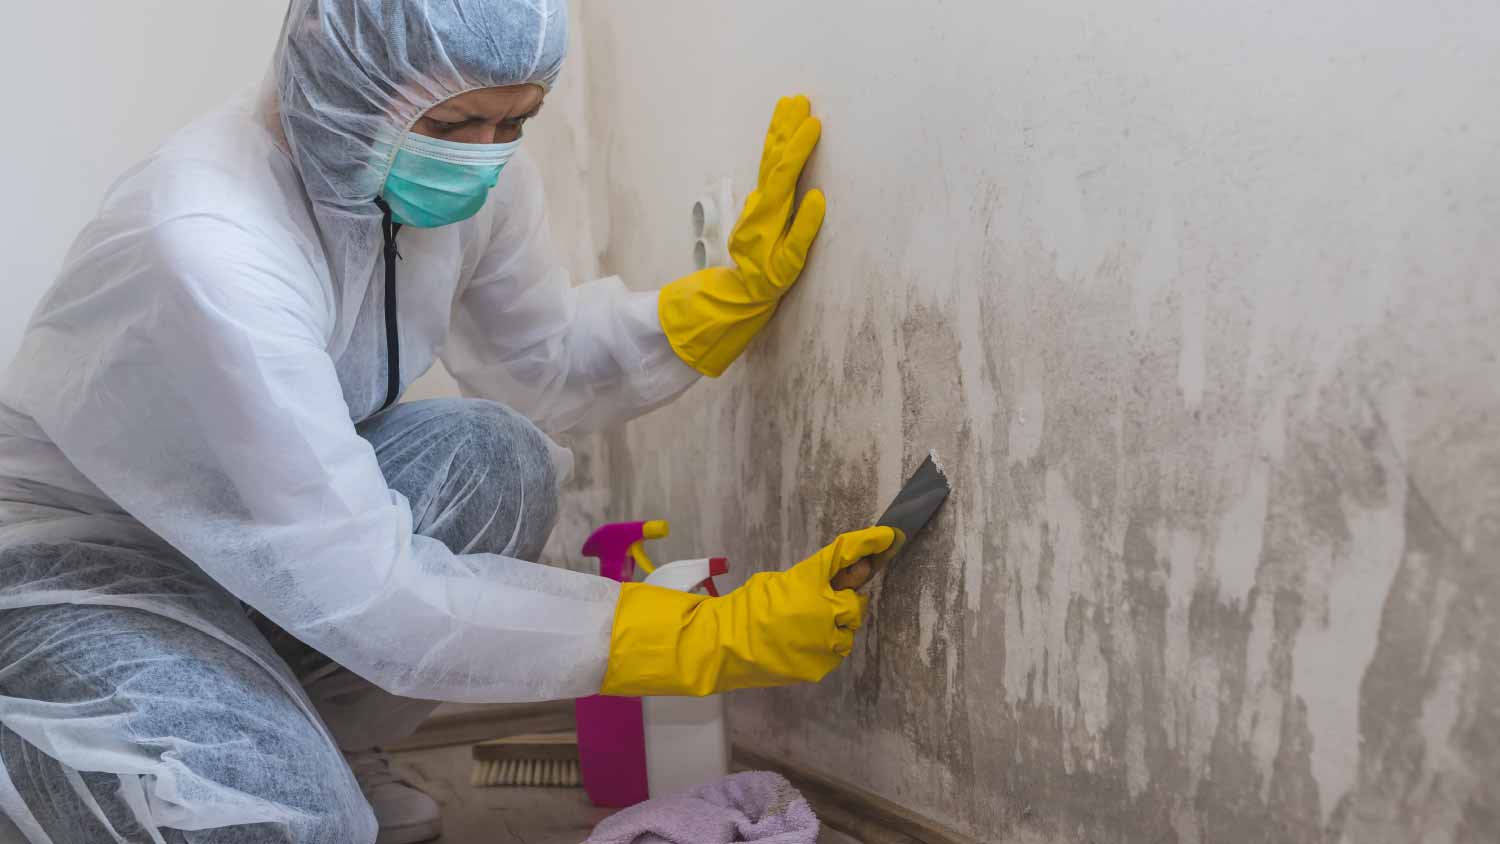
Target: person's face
[485, 116]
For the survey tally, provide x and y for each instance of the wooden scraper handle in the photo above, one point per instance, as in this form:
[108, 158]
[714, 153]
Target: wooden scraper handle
[857, 575]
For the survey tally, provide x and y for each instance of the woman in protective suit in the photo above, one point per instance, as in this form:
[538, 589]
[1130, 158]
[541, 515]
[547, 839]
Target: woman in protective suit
[229, 560]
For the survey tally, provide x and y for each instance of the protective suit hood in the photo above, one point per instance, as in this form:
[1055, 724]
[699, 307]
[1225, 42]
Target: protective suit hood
[351, 77]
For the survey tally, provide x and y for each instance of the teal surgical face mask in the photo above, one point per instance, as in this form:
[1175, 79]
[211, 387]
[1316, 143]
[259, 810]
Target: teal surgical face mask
[434, 183]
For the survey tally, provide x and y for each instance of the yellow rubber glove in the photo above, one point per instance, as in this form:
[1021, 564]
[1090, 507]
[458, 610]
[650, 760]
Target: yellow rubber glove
[712, 315]
[779, 628]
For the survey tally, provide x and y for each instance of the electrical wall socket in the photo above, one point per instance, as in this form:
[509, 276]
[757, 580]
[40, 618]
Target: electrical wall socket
[714, 216]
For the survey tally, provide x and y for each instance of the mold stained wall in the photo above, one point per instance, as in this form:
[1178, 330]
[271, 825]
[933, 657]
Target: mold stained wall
[1200, 305]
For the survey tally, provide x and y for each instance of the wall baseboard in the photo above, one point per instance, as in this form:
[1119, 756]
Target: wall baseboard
[867, 817]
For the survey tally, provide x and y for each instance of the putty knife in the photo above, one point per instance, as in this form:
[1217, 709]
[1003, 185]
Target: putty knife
[910, 511]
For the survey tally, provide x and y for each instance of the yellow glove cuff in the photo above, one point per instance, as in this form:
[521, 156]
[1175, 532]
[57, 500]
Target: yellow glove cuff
[709, 318]
[651, 651]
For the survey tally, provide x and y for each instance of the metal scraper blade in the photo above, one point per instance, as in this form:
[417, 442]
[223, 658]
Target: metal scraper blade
[921, 496]
[910, 511]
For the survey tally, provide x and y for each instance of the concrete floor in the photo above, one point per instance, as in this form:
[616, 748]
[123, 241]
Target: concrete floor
[507, 815]
[498, 815]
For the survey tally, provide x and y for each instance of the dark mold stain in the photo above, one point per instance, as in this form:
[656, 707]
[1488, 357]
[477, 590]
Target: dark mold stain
[1143, 468]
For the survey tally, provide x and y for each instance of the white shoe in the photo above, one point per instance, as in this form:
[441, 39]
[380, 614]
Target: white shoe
[405, 813]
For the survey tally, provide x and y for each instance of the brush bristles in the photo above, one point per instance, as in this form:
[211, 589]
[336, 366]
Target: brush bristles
[526, 773]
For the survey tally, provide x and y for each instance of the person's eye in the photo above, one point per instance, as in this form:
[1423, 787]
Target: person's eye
[448, 124]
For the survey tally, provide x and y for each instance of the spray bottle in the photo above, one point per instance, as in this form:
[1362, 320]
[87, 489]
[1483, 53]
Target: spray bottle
[686, 741]
[629, 748]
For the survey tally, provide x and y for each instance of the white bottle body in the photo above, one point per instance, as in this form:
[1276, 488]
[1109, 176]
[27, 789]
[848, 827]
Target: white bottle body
[687, 742]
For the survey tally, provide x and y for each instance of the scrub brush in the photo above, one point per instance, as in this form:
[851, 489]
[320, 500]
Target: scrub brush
[535, 761]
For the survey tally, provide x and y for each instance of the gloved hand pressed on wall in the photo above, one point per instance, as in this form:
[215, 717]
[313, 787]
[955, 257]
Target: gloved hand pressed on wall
[779, 628]
[712, 315]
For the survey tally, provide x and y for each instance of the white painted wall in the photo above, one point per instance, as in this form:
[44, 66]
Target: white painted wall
[93, 86]
[1200, 304]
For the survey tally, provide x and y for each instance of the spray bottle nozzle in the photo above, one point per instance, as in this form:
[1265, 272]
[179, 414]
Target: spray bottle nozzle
[687, 575]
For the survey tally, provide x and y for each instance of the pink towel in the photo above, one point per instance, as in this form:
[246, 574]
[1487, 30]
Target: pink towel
[752, 806]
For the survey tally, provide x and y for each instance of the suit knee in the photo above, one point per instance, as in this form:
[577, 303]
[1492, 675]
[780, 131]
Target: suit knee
[502, 491]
